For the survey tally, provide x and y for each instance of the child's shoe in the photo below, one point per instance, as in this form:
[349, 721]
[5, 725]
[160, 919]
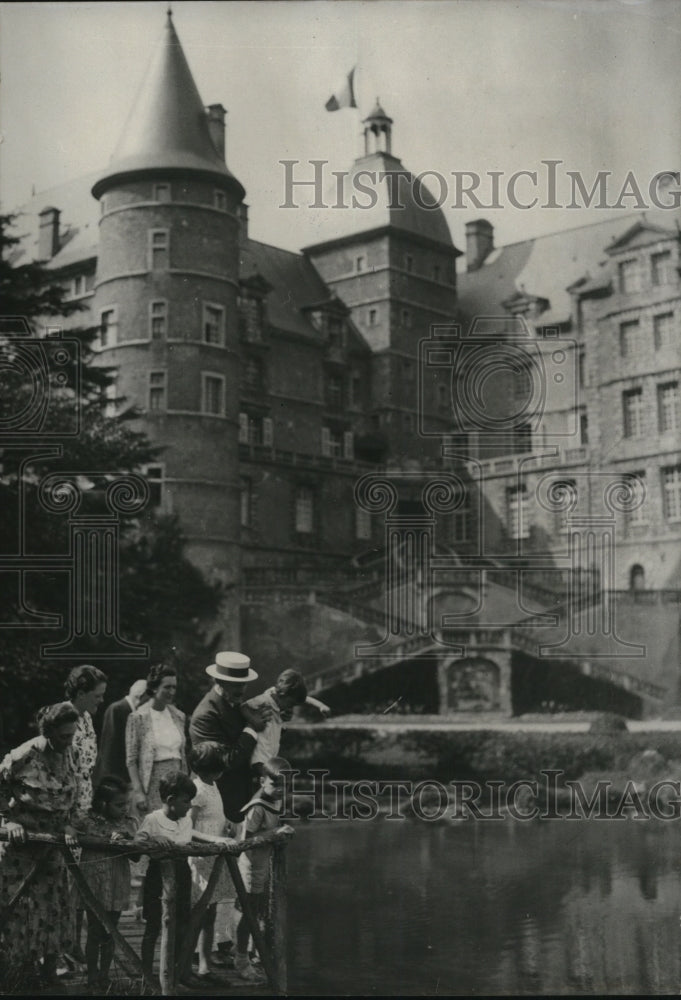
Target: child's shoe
[248, 972]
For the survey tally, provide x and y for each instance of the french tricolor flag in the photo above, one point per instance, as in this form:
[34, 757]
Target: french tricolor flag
[345, 95]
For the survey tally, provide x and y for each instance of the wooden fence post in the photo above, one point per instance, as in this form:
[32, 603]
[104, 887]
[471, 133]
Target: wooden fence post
[168, 929]
[278, 917]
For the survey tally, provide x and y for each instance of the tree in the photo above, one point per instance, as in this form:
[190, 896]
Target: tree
[165, 601]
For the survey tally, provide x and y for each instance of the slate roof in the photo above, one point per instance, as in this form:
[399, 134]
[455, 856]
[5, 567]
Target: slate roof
[294, 281]
[545, 267]
[168, 127]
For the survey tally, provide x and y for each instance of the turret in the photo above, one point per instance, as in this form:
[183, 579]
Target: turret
[165, 299]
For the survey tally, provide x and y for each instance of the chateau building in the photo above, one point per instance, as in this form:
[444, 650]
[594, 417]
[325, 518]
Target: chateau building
[273, 380]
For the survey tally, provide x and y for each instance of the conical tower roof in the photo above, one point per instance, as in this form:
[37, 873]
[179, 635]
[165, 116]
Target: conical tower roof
[167, 129]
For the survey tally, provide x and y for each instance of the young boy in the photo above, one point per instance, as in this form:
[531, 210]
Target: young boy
[164, 827]
[288, 692]
[261, 814]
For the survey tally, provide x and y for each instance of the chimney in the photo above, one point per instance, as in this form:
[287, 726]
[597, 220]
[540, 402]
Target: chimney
[216, 126]
[48, 238]
[242, 213]
[479, 243]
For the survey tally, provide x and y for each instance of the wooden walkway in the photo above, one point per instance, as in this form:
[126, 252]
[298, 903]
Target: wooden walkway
[123, 985]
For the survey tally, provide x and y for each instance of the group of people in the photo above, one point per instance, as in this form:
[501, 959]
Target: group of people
[155, 778]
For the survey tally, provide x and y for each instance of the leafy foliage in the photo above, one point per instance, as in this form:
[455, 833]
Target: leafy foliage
[164, 598]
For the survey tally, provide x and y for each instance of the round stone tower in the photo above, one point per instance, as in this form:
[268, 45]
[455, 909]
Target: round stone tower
[166, 303]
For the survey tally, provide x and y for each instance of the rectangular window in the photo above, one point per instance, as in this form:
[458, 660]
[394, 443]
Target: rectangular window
[565, 493]
[213, 324]
[336, 329]
[372, 317]
[522, 382]
[243, 428]
[157, 390]
[348, 445]
[668, 406]
[212, 394]
[581, 361]
[406, 318]
[304, 510]
[154, 475]
[108, 327]
[522, 439]
[583, 429]
[220, 200]
[517, 512]
[671, 492]
[628, 335]
[408, 422]
[461, 522]
[362, 524]
[161, 192]
[355, 390]
[407, 370]
[158, 319]
[632, 405]
[663, 330]
[635, 482]
[246, 503]
[359, 263]
[436, 272]
[158, 249]
[629, 276]
[334, 392]
[409, 263]
[332, 443]
[111, 396]
[662, 272]
[252, 375]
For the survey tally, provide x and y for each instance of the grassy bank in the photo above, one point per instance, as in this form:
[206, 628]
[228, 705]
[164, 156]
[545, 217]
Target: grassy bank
[414, 754]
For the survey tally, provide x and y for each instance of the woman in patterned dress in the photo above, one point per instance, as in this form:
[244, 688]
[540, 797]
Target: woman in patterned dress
[38, 792]
[85, 689]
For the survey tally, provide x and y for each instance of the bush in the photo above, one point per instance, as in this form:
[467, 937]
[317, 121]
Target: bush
[608, 722]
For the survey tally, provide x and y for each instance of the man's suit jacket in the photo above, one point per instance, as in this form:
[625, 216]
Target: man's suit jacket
[215, 720]
[111, 755]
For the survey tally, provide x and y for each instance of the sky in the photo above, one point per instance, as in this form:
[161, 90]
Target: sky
[472, 85]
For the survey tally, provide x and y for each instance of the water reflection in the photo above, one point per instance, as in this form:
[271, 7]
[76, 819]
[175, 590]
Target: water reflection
[403, 907]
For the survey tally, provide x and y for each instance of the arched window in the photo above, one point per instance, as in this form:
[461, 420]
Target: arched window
[637, 577]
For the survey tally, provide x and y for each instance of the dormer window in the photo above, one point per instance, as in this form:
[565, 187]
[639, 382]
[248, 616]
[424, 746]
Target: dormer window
[662, 270]
[629, 277]
[336, 332]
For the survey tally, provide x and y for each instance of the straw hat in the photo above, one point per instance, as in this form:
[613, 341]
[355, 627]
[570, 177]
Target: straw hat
[233, 667]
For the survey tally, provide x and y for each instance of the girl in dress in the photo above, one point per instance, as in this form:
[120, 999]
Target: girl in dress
[208, 818]
[107, 874]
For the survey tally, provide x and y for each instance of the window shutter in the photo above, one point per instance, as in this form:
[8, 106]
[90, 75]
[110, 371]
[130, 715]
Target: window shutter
[326, 442]
[243, 428]
[348, 445]
[267, 432]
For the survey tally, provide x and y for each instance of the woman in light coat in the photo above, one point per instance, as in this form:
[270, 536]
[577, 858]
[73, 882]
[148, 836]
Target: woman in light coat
[155, 739]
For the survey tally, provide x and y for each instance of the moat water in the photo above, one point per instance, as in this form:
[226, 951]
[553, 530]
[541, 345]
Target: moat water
[390, 908]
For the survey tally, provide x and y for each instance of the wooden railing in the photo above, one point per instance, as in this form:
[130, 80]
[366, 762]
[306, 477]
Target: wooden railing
[271, 946]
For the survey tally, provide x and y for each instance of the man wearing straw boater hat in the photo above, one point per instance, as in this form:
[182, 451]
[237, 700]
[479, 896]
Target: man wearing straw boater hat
[218, 718]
